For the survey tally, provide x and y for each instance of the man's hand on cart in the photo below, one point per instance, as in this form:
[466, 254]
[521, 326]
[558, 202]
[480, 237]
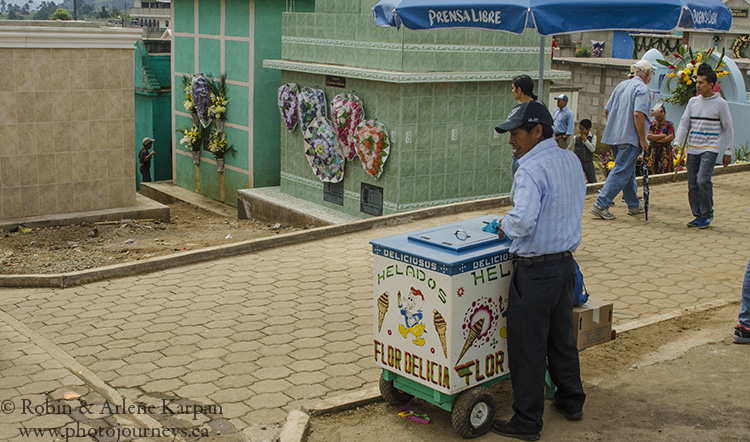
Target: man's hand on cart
[494, 227]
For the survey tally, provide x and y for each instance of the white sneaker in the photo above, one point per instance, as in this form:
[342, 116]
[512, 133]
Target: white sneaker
[636, 210]
[600, 212]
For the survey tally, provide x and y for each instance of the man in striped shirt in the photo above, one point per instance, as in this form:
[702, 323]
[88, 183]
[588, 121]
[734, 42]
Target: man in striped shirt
[707, 124]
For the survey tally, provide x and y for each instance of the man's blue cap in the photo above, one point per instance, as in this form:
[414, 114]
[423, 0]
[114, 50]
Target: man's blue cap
[529, 112]
[562, 97]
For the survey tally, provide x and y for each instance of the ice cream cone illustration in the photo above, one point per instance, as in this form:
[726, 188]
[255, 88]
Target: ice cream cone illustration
[441, 327]
[382, 309]
[476, 329]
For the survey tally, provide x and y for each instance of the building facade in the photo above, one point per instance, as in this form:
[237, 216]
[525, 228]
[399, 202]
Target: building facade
[440, 93]
[151, 14]
[66, 119]
[231, 38]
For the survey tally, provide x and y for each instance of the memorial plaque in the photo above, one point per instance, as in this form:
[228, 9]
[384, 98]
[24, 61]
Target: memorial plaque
[371, 200]
[334, 193]
[332, 81]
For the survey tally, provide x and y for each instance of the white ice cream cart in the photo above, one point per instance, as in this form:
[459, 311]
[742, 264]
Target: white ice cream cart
[440, 299]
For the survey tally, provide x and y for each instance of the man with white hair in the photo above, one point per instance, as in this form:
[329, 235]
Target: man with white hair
[628, 114]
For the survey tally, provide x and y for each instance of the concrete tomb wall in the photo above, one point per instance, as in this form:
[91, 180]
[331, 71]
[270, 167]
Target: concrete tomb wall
[66, 120]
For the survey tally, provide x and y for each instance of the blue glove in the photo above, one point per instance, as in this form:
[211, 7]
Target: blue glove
[492, 227]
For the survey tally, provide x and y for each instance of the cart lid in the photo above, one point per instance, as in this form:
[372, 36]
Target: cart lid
[454, 247]
[457, 239]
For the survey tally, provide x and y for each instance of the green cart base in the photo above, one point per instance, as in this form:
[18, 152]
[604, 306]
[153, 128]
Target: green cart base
[472, 411]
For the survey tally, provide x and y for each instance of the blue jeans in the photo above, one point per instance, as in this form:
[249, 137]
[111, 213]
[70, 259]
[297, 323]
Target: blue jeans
[745, 302]
[621, 177]
[700, 188]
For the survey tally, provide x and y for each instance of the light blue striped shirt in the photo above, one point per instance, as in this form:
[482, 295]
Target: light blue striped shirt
[629, 96]
[564, 122]
[548, 193]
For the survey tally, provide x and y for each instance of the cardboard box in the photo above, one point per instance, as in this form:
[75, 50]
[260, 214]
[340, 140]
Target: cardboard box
[592, 323]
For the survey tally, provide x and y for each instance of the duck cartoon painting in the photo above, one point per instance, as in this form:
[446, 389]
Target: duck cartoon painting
[411, 308]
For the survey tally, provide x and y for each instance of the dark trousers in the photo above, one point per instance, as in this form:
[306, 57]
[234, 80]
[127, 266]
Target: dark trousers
[540, 332]
[146, 174]
[589, 171]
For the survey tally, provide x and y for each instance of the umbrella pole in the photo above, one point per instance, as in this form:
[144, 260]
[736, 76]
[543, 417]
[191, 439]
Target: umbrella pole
[541, 67]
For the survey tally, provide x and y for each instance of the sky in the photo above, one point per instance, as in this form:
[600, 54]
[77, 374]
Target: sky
[34, 4]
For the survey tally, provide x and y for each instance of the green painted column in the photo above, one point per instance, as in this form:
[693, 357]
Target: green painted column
[267, 122]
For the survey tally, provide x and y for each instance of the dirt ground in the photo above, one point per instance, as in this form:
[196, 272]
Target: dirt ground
[78, 247]
[680, 380]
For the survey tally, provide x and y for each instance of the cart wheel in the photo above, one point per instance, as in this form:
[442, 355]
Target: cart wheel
[473, 412]
[391, 395]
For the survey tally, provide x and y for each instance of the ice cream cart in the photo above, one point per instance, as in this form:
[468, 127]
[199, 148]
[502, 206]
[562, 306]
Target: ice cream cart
[440, 299]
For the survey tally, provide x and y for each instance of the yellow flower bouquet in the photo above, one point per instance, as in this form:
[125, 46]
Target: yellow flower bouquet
[191, 138]
[218, 145]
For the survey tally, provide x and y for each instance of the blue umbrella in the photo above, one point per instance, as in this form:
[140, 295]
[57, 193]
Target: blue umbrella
[552, 17]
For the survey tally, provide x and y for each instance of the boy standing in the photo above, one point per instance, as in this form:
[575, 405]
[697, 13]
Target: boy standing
[706, 122]
[144, 158]
[584, 147]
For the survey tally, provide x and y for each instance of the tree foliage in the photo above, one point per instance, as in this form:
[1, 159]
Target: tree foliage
[14, 12]
[45, 10]
[61, 14]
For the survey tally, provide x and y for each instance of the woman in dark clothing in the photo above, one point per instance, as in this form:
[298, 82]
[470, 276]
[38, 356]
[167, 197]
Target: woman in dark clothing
[660, 136]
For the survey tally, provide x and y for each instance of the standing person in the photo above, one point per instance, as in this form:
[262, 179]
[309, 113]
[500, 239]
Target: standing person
[522, 89]
[584, 147]
[742, 330]
[564, 121]
[706, 122]
[545, 228]
[144, 158]
[661, 135]
[628, 114]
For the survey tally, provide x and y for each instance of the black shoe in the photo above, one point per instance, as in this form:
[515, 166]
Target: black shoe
[503, 428]
[741, 335]
[569, 416]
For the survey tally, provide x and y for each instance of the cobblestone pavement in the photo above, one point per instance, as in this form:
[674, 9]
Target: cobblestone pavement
[34, 397]
[263, 334]
[28, 372]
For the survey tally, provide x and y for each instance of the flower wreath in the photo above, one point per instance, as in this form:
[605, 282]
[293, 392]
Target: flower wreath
[320, 150]
[373, 146]
[201, 97]
[739, 45]
[347, 112]
[312, 104]
[289, 105]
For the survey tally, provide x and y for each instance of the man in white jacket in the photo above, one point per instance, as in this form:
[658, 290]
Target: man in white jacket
[707, 124]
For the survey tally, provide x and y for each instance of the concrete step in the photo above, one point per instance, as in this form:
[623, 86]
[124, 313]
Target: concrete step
[269, 204]
[144, 208]
[166, 192]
